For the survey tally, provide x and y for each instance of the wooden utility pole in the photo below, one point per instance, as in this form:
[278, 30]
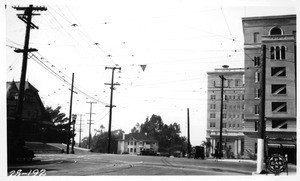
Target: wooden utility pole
[262, 126]
[112, 84]
[70, 114]
[90, 122]
[26, 18]
[189, 143]
[74, 116]
[79, 143]
[221, 118]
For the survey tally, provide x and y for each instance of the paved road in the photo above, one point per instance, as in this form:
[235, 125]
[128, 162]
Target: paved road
[110, 164]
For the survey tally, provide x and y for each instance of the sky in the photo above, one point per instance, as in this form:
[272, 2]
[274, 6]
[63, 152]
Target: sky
[177, 42]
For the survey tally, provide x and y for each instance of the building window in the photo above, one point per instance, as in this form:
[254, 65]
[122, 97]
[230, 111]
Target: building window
[282, 52]
[212, 106]
[224, 125]
[237, 83]
[255, 147]
[276, 31]
[134, 150]
[225, 97]
[277, 54]
[242, 116]
[131, 149]
[278, 71]
[229, 125]
[278, 89]
[233, 125]
[255, 37]
[256, 109]
[279, 107]
[256, 76]
[257, 93]
[224, 116]
[212, 125]
[225, 106]
[243, 97]
[243, 106]
[131, 143]
[256, 126]
[212, 97]
[228, 82]
[212, 115]
[238, 125]
[272, 53]
[256, 61]
[134, 143]
[280, 124]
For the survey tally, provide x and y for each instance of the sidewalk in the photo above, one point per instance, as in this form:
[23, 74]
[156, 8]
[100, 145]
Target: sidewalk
[291, 170]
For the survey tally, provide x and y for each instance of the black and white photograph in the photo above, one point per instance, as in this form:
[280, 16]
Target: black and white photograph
[139, 88]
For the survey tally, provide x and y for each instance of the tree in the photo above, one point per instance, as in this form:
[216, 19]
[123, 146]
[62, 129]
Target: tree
[136, 128]
[59, 132]
[168, 136]
[99, 141]
[207, 145]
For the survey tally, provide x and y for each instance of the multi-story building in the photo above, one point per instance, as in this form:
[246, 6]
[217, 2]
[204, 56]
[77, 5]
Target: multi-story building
[34, 122]
[233, 110]
[134, 143]
[278, 33]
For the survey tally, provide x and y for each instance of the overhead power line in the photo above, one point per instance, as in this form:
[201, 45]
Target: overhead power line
[50, 70]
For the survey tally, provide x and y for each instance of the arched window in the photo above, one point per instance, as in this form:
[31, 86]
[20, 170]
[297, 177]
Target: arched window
[277, 53]
[272, 53]
[276, 31]
[282, 52]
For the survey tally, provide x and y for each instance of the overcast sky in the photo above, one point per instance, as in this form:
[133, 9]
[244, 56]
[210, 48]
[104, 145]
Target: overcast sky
[178, 41]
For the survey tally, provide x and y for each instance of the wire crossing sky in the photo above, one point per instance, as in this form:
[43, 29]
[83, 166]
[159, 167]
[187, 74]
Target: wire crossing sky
[164, 50]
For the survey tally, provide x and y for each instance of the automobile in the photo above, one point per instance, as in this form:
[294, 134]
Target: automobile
[199, 152]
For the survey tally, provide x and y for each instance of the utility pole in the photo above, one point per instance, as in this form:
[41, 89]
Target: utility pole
[189, 143]
[112, 84]
[90, 122]
[26, 18]
[221, 118]
[262, 126]
[74, 116]
[79, 143]
[70, 114]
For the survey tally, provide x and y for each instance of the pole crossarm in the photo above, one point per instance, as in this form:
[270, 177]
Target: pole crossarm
[18, 50]
[26, 17]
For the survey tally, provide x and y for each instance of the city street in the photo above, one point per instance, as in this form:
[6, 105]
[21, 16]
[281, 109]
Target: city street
[109, 164]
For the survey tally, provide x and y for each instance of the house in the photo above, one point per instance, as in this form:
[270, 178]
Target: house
[34, 123]
[233, 110]
[134, 143]
[278, 34]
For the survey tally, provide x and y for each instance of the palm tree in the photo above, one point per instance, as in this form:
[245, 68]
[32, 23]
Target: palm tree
[207, 145]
